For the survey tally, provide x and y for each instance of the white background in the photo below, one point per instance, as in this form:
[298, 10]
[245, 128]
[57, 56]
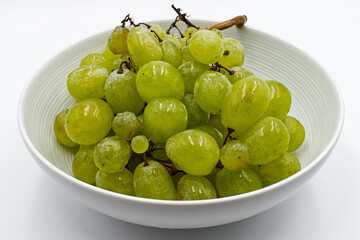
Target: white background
[31, 32]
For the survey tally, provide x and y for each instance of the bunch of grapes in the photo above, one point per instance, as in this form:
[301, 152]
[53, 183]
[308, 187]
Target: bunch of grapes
[177, 117]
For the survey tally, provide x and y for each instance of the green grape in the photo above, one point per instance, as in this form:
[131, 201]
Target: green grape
[158, 30]
[112, 154]
[281, 168]
[206, 46]
[183, 41]
[163, 117]
[216, 134]
[97, 59]
[190, 71]
[117, 41]
[280, 100]
[296, 131]
[158, 152]
[267, 140]
[239, 73]
[186, 54]
[176, 178]
[121, 93]
[142, 46]
[124, 58]
[233, 54]
[194, 151]
[215, 121]
[195, 188]
[174, 39]
[152, 180]
[217, 31]
[134, 161]
[210, 89]
[189, 31]
[87, 82]
[212, 175]
[59, 130]
[171, 53]
[83, 166]
[120, 182]
[139, 144]
[159, 79]
[109, 54]
[140, 117]
[88, 121]
[126, 125]
[230, 183]
[249, 97]
[235, 155]
[196, 116]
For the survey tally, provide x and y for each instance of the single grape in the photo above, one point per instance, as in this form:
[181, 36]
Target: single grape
[88, 121]
[296, 131]
[210, 89]
[171, 53]
[152, 180]
[174, 39]
[196, 116]
[189, 31]
[233, 54]
[120, 182]
[183, 41]
[126, 125]
[176, 178]
[112, 154]
[215, 121]
[124, 58]
[239, 73]
[194, 151]
[97, 59]
[190, 71]
[249, 97]
[83, 166]
[217, 31]
[159, 79]
[87, 82]
[139, 144]
[280, 100]
[235, 155]
[195, 188]
[216, 134]
[186, 54]
[117, 41]
[158, 30]
[109, 54]
[59, 130]
[230, 183]
[164, 117]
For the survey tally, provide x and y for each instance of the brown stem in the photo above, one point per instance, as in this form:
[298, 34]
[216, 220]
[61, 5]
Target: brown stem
[230, 131]
[238, 21]
[170, 167]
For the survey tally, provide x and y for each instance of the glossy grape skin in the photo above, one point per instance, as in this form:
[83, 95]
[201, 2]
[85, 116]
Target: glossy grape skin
[159, 79]
[109, 54]
[126, 126]
[124, 58]
[190, 71]
[174, 39]
[59, 130]
[249, 97]
[215, 121]
[192, 187]
[158, 30]
[97, 59]
[83, 166]
[88, 121]
[189, 31]
[87, 82]
[171, 53]
[230, 183]
[296, 131]
[233, 53]
[196, 116]
[120, 182]
[281, 168]
[216, 134]
[210, 89]
[206, 46]
[186, 54]
[153, 181]
[140, 117]
[194, 151]
[139, 144]
[117, 41]
[267, 140]
[235, 155]
[142, 46]
[164, 117]
[280, 100]
[121, 93]
[239, 73]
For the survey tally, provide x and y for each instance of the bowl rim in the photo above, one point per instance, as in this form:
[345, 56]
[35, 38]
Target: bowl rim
[41, 160]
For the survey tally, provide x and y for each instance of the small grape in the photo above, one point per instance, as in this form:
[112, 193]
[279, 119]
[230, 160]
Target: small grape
[196, 116]
[97, 59]
[235, 155]
[59, 130]
[126, 125]
[120, 182]
[139, 144]
[195, 188]
[171, 53]
[190, 71]
[117, 41]
[296, 131]
[233, 54]
[189, 31]
[83, 166]
[280, 100]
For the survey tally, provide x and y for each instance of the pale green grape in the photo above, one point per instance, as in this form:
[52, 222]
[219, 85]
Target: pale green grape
[267, 140]
[239, 73]
[139, 144]
[163, 117]
[121, 93]
[216, 134]
[109, 54]
[233, 54]
[245, 103]
[190, 71]
[215, 121]
[194, 151]
[83, 166]
[171, 53]
[281, 168]
[159, 79]
[126, 125]
[174, 39]
[210, 89]
[152, 180]
[195, 188]
[120, 182]
[158, 152]
[183, 41]
[87, 82]
[186, 54]
[235, 155]
[124, 58]
[112, 154]
[206, 46]
[97, 59]
[158, 30]
[176, 178]
[217, 31]
[140, 117]
[230, 183]
[142, 46]
[196, 116]
[189, 31]
[296, 131]
[280, 100]
[117, 41]
[59, 130]
[88, 121]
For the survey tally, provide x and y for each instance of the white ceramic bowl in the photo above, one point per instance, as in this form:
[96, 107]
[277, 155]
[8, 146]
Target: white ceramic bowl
[317, 103]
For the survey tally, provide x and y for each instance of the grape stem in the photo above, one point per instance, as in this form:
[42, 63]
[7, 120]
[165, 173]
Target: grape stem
[160, 40]
[216, 67]
[230, 131]
[238, 21]
[132, 23]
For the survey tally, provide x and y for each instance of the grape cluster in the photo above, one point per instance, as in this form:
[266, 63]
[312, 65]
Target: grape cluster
[177, 118]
